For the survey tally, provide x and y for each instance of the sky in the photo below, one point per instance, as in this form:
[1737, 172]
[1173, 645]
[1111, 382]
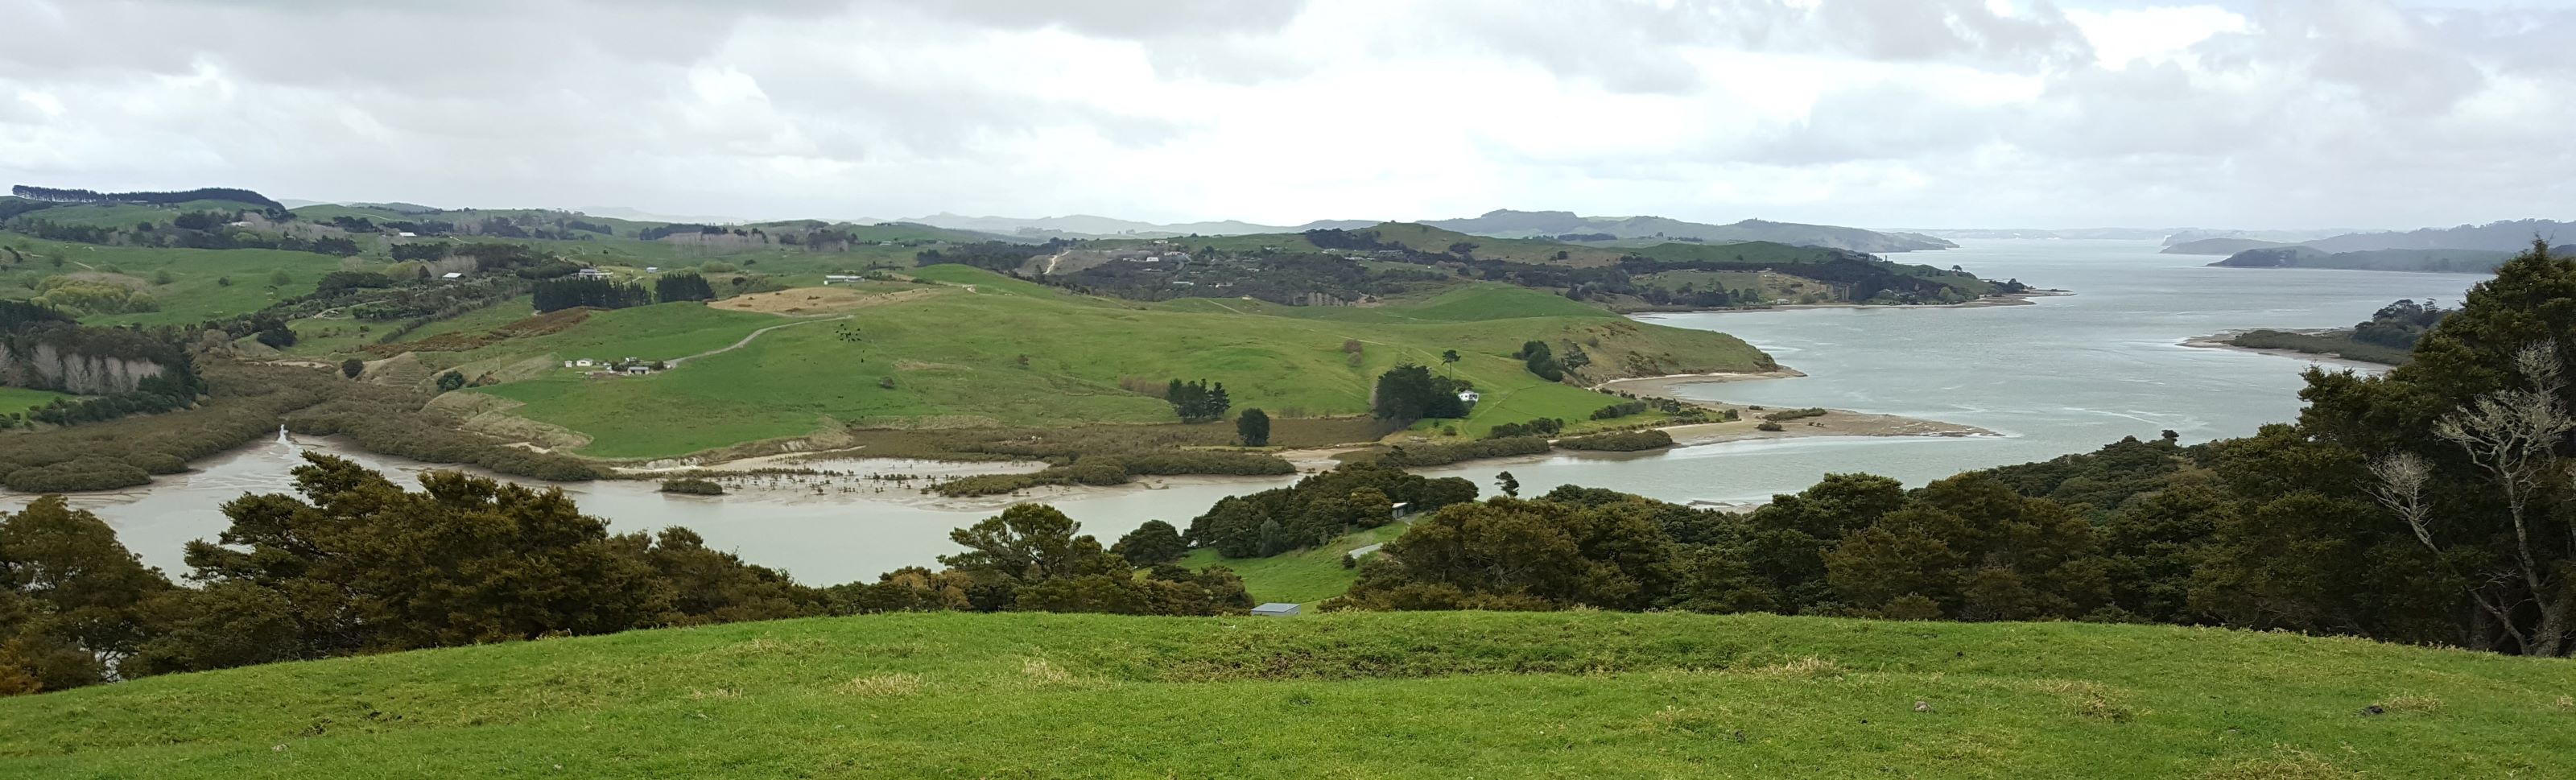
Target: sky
[1883, 113]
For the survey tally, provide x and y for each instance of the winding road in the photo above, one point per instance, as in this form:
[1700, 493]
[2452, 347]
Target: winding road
[746, 339]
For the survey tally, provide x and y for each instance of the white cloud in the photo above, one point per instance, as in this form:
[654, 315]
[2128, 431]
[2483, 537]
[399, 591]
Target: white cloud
[1855, 111]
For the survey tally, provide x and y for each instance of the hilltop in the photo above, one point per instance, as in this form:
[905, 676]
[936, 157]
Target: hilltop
[1416, 695]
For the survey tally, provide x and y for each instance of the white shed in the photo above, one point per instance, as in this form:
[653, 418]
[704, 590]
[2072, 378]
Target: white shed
[1275, 609]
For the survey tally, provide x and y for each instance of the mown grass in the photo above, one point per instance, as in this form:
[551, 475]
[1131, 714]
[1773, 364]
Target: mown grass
[956, 357]
[1337, 695]
[1301, 576]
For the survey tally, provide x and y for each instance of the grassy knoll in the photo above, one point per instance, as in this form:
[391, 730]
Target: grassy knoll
[1299, 576]
[955, 355]
[1343, 695]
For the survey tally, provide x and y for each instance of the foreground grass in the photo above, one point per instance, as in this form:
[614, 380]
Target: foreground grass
[1346, 695]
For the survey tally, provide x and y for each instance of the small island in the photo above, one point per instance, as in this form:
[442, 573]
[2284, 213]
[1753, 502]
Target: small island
[2387, 338]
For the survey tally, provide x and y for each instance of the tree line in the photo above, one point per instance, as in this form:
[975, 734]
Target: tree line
[59, 195]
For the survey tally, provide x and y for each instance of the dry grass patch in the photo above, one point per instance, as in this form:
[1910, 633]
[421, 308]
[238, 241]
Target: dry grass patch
[2090, 699]
[2285, 764]
[1041, 671]
[1808, 668]
[882, 685]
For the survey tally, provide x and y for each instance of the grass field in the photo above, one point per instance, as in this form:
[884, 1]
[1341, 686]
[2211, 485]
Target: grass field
[1464, 695]
[19, 399]
[197, 290]
[954, 354]
[1302, 576]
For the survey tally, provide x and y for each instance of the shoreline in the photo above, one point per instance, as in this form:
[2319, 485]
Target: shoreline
[1990, 301]
[2221, 340]
[1836, 422]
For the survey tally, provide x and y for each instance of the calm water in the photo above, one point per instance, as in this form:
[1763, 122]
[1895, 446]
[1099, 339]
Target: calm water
[2065, 375]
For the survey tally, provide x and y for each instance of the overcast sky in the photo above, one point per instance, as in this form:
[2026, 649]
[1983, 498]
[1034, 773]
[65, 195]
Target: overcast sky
[1924, 113]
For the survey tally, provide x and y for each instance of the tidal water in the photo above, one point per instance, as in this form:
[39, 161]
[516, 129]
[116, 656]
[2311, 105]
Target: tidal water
[2067, 374]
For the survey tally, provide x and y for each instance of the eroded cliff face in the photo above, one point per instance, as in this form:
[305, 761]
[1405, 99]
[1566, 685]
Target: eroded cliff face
[45, 366]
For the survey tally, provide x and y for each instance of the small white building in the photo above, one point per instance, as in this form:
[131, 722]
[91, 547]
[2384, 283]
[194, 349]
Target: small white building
[567, 364]
[828, 279]
[638, 370]
[1469, 396]
[590, 273]
[584, 363]
[406, 234]
[1275, 609]
[453, 275]
[652, 269]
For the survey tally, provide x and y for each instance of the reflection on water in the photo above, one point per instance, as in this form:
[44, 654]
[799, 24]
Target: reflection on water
[2064, 375]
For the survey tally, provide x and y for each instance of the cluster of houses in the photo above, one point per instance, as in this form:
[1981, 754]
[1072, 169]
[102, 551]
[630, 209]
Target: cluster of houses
[602, 369]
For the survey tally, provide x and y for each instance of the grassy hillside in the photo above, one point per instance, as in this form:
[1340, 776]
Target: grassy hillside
[953, 353]
[204, 283]
[1347, 695]
[1303, 575]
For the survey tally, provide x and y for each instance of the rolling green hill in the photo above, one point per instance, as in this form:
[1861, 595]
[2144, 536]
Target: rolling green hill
[953, 354]
[1335, 695]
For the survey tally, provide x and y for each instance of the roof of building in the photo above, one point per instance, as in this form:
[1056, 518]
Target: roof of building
[1275, 608]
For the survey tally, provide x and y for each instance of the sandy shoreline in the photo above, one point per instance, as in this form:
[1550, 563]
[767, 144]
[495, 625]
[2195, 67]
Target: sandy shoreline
[1836, 422]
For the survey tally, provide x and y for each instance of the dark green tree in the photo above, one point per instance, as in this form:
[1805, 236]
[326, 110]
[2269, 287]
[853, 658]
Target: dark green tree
[1253, 428]
[352, 367]
[1151, 544]
[450, 381]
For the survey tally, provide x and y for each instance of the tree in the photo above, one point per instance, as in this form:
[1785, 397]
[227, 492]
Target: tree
[1153, 543]
[450, 381]
[352, 367]
[1253, 427]
[1410, 392]
[1978, 551]
[1027, 543]
[357, 564]
[1448, 358]
[1512, 554]
[1196, 401]
[682, 287]
[72, 600]
[1506, 483]
[280, 278]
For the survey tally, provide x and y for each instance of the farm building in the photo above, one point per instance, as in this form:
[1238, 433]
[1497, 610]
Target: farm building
[1469, 396]
[1275, 609]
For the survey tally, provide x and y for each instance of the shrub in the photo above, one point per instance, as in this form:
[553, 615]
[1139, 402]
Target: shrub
[1442, 454]
[1785, 415]
[694, 487]
[1767, 425]
[1624, 441]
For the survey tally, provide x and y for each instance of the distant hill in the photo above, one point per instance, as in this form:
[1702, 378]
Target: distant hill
[1567, 226]
[2189, 235]
[2476, 261]
[2507, 236]
[2220, 246]
[1088, 226]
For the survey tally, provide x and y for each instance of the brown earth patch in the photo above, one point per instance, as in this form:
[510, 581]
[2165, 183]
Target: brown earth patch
[816, 300]
[542, 324]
